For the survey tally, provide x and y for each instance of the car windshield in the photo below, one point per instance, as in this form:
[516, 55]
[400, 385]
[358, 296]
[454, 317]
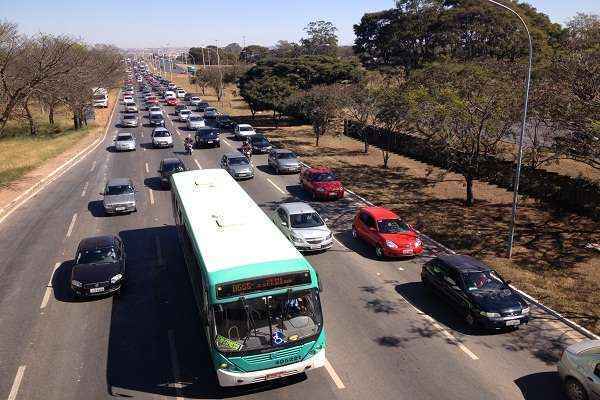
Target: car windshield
[118, 189]
[267, 323]
[173, 167]
[324, 177]
[483, 280]
[392, 226]
[129, 117]
[97, 256]
[238, 161]
[195, 118]
[246, 128]
[124, 138]
[99, 97]
[195, 98]
[285, 155]
[156, 116]
[185, 112]
[306, 220]
[259, 140]
[208, 133]
[161, 134]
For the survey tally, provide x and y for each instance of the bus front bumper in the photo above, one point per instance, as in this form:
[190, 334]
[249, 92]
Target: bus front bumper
[230, 378]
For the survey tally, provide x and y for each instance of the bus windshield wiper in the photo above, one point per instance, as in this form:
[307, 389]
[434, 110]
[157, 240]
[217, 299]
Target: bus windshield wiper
[250, 325]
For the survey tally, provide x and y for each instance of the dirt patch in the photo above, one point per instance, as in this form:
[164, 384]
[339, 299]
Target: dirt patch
[550, 261]
[50, 155]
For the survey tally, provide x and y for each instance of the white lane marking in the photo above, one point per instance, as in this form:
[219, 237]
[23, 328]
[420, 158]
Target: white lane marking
[275, 186]
[334, 376]
[85, 189]
[57, 173]
[175, 365]
[400, 269]
[142, 134]
[49, 288]
[198, 164]
[338, 242]
[17, 383]
[151, 196]
[93, 166]
[451, 338]
[147, 171]
[143, 148]
[226, 142]
[72, 225]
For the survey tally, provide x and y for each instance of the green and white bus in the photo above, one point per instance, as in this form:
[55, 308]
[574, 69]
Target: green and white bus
[258, 297]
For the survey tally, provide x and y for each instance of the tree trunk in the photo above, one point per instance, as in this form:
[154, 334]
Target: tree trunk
[470, 197]
[317, 136]
[51, 114]
[366, 140]
[386, 158]
[32, 124]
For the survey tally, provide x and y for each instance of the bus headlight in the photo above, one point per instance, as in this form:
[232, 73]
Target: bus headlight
[223, 366]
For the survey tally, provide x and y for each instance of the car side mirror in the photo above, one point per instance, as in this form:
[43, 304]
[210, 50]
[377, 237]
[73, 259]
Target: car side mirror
[326, 220]
[284, 223]
[101, 193]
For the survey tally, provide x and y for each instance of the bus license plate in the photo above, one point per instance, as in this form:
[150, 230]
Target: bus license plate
[275, 375]
[513, 322]
[97, 290]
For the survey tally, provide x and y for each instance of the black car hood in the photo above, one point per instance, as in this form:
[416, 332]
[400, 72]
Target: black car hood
[497, 300]
[90, 273]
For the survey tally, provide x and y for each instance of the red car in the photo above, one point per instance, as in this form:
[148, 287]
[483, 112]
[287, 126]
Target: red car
[383, 230]
[151, 101]
[321, 183]
[172, 101]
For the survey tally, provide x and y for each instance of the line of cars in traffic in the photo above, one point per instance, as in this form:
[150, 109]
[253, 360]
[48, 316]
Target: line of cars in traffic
[478, 293]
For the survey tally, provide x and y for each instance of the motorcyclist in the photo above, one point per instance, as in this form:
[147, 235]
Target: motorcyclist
[188, 143]
[247, 148]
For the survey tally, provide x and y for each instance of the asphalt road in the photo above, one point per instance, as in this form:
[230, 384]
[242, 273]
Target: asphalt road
[388, 339]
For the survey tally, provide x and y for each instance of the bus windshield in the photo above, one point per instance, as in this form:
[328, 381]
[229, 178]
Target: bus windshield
[258, 324]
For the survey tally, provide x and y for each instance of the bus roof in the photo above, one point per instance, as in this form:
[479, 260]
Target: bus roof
[234, 237]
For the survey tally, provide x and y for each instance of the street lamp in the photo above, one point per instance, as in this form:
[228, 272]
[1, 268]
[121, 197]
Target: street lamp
[511, 234]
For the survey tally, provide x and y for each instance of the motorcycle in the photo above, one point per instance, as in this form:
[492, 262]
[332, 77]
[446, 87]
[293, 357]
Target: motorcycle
[247, 152]
[189, 148]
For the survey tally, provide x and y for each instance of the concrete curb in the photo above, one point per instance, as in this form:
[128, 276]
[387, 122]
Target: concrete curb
[529, 298]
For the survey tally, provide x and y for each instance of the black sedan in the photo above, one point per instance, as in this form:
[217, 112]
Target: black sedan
[225, 122]
[99, 266]
[168, 167]
[260, 144]
[207, 136]
[476, 291]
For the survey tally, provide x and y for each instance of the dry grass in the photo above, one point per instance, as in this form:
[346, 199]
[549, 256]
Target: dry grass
[550, 261]
[21, 153]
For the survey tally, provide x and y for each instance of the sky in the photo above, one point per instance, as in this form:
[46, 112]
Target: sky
[186, 23]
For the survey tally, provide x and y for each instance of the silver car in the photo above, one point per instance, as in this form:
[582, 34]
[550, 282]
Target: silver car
[194, 122]
[282, 160]
[237, 165]
[195, 100]
[124, 142]
[119, 196]
[130, 107]
[129, 120]
[184, 114]
[579, 370]
[303, 226]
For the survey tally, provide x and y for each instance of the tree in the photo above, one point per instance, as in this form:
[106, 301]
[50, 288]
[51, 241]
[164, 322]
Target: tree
[321, 38]
[233, 48]
[463, 110]
[392, 112]
[285, 49]
[253, 53]
[362, 102]
[322, 106]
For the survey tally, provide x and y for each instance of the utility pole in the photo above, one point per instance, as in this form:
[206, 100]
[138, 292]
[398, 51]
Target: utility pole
[203, 63]
[220, 95]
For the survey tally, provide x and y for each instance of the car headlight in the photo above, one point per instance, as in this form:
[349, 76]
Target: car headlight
[116, 278]
[489, 314]
[391, 244]
[76, 283]
[525, 310]
[329, 236]
[418, 242]
[296, 239]
[320, 190]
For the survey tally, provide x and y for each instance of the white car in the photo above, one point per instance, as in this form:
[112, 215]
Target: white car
[184, 114]
[169, 94]
[195, 100]
[243, 131]
[303, 226]
[161, 137]
[180, 93]
[155, 110]
[130, 106]
[194, 122]
[128, 99]
[124, 141]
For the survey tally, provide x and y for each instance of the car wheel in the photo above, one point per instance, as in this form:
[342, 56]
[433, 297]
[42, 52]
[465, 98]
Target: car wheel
[379, 252]
[470, 319]
[575, 390]
[277, 170]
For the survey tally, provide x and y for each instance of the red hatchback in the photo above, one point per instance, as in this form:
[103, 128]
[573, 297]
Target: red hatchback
[321, 183]
[383, 230]
[172, 101]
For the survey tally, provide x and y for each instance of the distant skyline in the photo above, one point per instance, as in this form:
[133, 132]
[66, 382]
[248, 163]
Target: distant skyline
[186, 23]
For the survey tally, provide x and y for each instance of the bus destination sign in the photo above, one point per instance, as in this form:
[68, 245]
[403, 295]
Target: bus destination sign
[262, 284]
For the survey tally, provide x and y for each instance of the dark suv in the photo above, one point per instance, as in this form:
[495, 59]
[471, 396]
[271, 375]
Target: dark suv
[207, 136]
[476, 291]
[168, 167]
[99, 266]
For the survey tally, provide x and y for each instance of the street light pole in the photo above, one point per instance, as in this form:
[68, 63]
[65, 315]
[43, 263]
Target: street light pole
[511, 234]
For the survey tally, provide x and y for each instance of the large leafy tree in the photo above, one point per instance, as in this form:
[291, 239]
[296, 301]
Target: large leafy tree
[321, 38]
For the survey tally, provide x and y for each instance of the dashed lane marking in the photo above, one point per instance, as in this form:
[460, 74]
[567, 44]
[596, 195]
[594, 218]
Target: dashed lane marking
[198, 164]
[151, 196]
[85, 189]
[226, 142]
[17, 383]
[334, 376]
[93, 166]
[71, 225]
[275, 186]
[48, 291]
[147, 171]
